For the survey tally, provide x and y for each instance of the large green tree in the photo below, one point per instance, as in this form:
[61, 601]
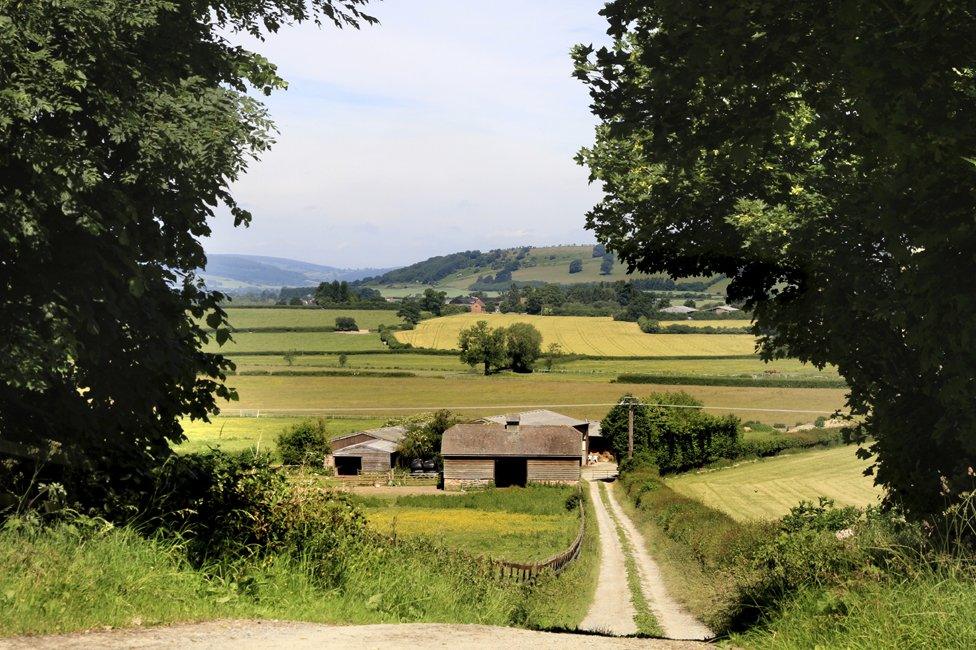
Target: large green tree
[818, 154]
[122, 126]
[480, 344]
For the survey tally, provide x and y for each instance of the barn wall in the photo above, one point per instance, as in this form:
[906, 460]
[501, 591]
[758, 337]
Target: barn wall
[468, 472]
[553, 470]
[376, 461]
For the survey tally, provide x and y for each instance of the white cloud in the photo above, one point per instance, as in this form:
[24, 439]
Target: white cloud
[450, 126]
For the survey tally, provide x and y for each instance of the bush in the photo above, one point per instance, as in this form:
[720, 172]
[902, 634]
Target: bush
[648, 325]
[305, 443]
[346, 324]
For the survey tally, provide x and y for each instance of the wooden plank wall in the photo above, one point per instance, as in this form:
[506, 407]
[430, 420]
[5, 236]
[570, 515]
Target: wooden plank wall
[469, 469]
[543, 470]
[376, 461]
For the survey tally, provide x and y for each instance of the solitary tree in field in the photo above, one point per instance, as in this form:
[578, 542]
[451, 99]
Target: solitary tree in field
[576, 266]
[607, 264]
[553, 352]
[820, 155]
[483, 345]
[122, 127]
[523, 343]
[409, 311]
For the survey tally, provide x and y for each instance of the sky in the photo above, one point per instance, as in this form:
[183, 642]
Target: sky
[451, 125]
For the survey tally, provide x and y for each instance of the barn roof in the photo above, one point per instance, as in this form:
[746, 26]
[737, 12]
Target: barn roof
[392, 434]
[679, 309]
[493, 440]
[538, 417]
[384, 446]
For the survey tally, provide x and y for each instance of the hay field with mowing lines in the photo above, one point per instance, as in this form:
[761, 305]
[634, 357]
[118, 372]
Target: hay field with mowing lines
[584, 335]
[234, 434]
[299, 341]
[514, 536]
[283, 395]
[243, 318]
[767, 489]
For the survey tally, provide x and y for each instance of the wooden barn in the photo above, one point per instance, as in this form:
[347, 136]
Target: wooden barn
[591, 438]
[366, 452]
[482, 455]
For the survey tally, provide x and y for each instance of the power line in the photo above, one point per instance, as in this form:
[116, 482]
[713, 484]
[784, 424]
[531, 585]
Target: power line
[511, 407]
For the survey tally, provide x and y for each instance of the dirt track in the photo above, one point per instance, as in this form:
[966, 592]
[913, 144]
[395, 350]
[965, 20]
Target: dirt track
[250, 635]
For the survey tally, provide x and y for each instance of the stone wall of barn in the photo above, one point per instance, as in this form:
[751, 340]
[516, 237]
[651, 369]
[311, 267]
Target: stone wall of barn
[462, 473]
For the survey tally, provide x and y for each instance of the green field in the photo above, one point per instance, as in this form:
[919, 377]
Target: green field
[234, 434]
[244, 318]
[767, 489]
[298, 341]
[584, 335]
[517, 524]
[477, 396]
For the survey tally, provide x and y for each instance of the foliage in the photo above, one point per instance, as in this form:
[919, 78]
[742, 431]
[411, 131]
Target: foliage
[771, 381]
[305, 443]
[409, 311]
[346, 324]
[480, 344]
[648, 325]
[122, 127]
[553, 352]
[424, 434]
[782, 143]
[674, 438]
[523, 344]
[576, 266]
[433, 301]
[607, 264]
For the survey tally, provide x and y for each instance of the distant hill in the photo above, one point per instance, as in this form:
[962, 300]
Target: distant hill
[228, 271]
[497, 269]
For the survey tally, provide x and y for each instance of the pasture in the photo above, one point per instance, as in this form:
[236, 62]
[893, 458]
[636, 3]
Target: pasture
[473, 395]
[245, 318]
[298, 341]
[584, 335]
[768, 488]
[516, 524]
[233, 434]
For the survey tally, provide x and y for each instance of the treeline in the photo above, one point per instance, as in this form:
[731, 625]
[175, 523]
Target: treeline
[437, 268]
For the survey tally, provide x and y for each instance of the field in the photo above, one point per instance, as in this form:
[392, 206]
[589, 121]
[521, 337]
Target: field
[236, 433]
[767, 489]
[476, 396]
[584, 335]
[516, 524]
[299, 341]
[244, 318]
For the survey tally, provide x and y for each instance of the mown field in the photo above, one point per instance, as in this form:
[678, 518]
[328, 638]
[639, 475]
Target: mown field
[516, 524]
[767, 489]
[298, 341]
[584, 335]
[238, 433]
[477, 396]
[244, 318]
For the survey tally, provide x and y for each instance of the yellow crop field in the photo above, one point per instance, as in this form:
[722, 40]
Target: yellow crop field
[501, 535]
[585, 335]
[767, 489]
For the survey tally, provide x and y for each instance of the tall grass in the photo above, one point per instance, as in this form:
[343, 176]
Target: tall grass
[531, 500]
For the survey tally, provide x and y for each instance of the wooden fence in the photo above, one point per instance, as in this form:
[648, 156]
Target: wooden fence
[527, 572]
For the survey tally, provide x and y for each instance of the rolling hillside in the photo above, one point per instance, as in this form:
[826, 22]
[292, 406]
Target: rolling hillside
[228, 271]
[470, 270]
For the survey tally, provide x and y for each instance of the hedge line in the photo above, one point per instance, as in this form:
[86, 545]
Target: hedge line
[698, 380]
[323, 353]
[325, 373]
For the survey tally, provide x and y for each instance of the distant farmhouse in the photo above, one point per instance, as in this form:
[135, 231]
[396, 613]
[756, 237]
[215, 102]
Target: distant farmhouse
[474, 304]
[370, 451]
[486, 454]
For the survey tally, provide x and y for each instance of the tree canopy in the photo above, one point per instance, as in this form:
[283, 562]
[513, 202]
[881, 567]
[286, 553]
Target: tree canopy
[819, 155]
[122, 126]
[483, 345]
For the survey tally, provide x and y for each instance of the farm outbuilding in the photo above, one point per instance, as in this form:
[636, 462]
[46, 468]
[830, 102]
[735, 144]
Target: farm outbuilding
[482, 455]
[366, 452]
[591, 438]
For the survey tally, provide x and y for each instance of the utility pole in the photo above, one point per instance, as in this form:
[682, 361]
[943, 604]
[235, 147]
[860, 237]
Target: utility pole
[630, 430]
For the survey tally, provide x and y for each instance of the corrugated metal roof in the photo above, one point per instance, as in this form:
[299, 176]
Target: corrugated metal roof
[538, 417]
[493, 440]
[393, 434]
[385, 446]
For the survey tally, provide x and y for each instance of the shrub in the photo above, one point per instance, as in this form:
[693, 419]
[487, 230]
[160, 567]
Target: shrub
[305, 443]
[346, 324]
[648, 325]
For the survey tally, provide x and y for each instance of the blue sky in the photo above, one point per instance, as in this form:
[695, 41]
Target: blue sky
[451, 125]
